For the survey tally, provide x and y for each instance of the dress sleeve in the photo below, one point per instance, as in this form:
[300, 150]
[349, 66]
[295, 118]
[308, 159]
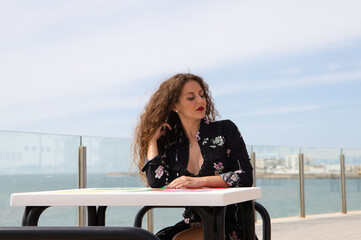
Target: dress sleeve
[238, 159]
[156, 171]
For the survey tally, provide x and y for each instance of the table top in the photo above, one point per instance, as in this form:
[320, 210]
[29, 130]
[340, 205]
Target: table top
[137, 197]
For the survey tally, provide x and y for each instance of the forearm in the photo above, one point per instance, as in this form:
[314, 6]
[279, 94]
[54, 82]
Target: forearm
[198, 182]
[213, 182]
[152, 149]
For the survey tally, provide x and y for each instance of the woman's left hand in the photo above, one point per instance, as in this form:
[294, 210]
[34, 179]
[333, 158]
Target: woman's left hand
[186, 182]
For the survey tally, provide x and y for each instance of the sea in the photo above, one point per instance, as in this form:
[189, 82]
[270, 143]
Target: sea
[280, 196]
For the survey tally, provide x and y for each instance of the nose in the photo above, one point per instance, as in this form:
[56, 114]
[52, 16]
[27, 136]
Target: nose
[200, 99]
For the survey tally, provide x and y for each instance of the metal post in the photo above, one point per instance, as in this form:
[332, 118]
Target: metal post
[150, 225]
[302, 185]
[253, 162]
[82, 183]
[343, 183]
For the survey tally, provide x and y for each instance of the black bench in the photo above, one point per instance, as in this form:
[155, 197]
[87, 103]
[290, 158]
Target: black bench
[75, 233]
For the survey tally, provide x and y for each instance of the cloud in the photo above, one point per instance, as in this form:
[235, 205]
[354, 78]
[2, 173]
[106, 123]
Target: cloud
[88, 44]
[56, 56]
[290, 71]
[280, 110]
[292, 82]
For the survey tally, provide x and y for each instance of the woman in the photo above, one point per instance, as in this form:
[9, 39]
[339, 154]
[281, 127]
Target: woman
[179, 144]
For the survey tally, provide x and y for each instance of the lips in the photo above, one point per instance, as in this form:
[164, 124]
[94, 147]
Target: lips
[200, 109]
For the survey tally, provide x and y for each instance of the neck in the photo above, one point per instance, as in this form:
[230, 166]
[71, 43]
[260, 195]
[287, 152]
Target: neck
[191, 129]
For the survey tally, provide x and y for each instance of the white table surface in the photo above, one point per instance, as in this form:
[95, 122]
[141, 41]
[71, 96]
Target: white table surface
[136, 197]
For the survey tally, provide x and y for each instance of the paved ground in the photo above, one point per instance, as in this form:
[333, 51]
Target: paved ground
[318, 227]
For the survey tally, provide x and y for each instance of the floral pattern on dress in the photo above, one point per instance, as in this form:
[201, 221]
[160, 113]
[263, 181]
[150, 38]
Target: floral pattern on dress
[217, 141]
[218, 167]
[234, 236]
[231, 178]
[228, 152]
[239, 171]
[159, 172]
[198, 137]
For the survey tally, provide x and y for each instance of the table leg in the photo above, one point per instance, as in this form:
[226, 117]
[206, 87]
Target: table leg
[92, 216]
[25, 216]
[32, 214]
[96, 215]
[101, 215]
[207, 218]
[219, 214]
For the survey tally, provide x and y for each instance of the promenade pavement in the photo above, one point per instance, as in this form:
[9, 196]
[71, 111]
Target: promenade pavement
[317, 227]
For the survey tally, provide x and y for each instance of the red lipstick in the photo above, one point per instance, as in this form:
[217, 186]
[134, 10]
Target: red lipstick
[200, 109]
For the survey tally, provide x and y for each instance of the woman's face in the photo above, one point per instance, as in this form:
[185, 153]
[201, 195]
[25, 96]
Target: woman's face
[191, 103]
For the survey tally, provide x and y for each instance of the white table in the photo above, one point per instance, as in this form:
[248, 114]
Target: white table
[97, 199]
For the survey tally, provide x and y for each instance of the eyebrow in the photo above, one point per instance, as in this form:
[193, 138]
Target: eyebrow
[193, 92]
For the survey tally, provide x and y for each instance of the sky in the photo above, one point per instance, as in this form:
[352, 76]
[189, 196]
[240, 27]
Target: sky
[288, 73]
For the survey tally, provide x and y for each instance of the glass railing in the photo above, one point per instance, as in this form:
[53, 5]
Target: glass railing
[322, 180]
[277, 175]
[35, 162]
[353, 178]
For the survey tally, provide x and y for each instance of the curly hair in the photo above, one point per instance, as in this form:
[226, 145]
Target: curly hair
[159, 110]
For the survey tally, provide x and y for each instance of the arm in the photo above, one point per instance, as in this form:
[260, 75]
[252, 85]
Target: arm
[198, 182]
[157, 172]
[241, 168]
[156, 168]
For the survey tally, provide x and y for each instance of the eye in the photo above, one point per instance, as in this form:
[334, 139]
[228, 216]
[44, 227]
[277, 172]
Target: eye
[190, 98]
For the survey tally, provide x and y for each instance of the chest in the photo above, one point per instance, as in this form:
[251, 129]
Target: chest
[208, 157]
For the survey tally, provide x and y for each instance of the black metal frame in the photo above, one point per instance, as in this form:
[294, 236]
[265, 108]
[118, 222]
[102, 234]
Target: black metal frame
[96, 217]
[266, 220]
[76, 233]
[209, 217]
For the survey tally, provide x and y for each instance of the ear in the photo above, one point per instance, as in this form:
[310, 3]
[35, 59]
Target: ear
[175, 108]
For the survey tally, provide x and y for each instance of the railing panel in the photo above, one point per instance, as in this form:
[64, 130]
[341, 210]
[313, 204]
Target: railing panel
[109, 164]
[322, 180]
[353, 178]
[277, 174]
[37, 162]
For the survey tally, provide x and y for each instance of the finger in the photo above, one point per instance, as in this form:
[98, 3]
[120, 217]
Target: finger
[166, 125]
[163, 128]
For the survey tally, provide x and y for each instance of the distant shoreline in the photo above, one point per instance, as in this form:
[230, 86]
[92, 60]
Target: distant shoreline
[265, 175]
[307, 175]
[122, 174]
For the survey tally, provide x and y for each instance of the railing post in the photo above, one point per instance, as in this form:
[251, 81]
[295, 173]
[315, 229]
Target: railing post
[150, 221]
[343, 183]
[82, 183]
[302, 185]
[253, 162]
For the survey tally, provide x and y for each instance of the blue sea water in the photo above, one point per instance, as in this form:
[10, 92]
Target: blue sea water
[280, 197]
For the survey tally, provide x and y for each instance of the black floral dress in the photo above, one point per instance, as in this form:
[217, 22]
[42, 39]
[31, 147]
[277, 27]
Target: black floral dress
[224, 153]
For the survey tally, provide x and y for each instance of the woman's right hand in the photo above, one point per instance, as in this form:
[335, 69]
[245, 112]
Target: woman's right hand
[152, 144]
[160, 131]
